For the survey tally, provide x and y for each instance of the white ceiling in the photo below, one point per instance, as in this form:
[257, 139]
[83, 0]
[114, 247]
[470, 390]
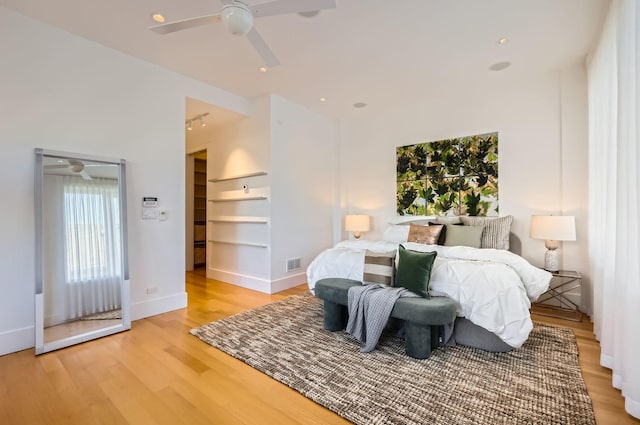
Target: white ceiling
[387, 53]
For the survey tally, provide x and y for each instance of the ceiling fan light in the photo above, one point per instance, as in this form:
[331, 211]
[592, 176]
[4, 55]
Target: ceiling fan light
[76, 167]
[202, 123]
[189, 126]
[237, 18]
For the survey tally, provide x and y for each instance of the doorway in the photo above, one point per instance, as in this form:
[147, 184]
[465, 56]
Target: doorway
[196, 210]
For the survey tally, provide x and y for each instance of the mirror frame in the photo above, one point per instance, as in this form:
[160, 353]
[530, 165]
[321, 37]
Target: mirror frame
[40, 345]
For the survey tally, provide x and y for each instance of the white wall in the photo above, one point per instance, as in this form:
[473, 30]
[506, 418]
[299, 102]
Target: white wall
[575, 174]
[61, 92]
[296, 148]
[541, 124]
[238, 148]
[303, 174]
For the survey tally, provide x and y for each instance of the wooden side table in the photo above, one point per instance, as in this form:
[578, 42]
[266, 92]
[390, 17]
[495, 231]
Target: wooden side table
[561, 283]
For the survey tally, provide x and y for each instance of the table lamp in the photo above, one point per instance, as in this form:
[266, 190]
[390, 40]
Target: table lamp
[356, 223]
[552, 228]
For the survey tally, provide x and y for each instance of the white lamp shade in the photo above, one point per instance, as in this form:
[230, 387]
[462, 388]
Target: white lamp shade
[553, 227]
[356, 223]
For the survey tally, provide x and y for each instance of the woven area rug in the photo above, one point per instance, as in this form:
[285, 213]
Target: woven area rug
[540, 383]
[105, 315]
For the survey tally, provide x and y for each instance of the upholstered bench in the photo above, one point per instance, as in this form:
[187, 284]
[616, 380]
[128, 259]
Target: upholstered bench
[422, 316]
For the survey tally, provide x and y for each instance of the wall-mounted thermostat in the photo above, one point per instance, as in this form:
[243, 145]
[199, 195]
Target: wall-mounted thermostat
[149, 208]
[149, 202]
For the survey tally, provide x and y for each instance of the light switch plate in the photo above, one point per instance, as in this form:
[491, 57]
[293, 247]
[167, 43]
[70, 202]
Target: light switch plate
[149, 213]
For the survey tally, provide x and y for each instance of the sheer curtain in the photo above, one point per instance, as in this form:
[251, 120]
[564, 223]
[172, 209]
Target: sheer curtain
[614, 196]
[82, 233]
[92, 245]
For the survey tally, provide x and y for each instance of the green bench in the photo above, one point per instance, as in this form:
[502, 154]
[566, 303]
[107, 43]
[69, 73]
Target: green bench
[422, 316]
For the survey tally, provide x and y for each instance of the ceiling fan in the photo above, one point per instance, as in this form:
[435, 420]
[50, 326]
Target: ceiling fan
[73, 165]
[238, 18]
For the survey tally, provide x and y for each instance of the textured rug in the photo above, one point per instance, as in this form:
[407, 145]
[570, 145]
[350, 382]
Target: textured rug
[105, 315]
[540, 383]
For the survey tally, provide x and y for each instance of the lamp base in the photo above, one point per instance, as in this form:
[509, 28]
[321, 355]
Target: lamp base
[551, 260]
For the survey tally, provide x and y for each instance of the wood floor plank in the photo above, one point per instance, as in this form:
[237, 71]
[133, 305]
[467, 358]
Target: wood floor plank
[158, 373]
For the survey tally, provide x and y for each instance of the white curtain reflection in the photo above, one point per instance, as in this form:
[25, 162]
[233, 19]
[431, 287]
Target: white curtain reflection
[88, 272]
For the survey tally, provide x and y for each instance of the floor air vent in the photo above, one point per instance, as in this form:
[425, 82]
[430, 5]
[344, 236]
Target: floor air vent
[293, 264]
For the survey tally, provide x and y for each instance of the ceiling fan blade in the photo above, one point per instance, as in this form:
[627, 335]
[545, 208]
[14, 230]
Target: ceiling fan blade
[262, 48]
[281, 7]
[84, 175]
[185, 24]
[55, 166]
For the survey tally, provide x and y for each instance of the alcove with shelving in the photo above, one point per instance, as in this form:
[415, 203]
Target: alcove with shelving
[200, 212]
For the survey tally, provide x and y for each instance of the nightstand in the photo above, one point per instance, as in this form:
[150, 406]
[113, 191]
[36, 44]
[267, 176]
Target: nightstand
[561, 283]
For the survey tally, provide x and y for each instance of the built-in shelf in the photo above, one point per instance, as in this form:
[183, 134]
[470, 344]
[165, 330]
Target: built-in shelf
[231, 219]
[199, 212]
[244, 198]
[258, 245]
[239, 176]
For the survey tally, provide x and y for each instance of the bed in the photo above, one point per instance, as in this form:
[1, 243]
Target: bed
[492, 287]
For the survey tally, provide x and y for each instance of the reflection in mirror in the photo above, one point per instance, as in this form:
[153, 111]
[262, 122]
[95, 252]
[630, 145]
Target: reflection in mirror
[81, 276]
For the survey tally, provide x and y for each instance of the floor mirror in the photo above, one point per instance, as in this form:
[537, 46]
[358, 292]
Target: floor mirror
[82, 273]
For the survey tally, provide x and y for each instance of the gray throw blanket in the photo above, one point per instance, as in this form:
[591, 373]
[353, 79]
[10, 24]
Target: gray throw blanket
[369, 310]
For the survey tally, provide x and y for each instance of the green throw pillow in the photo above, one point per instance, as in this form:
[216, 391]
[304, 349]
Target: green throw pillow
[414, 270]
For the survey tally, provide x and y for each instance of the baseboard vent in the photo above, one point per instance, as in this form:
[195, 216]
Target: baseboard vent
[293, 264]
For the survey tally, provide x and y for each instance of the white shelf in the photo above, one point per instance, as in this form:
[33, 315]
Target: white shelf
[244, 198]
[233, 219]
[257, 245]
[239, 176]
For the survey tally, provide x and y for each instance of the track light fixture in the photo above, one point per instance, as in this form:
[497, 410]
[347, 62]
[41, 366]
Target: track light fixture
[199, 117]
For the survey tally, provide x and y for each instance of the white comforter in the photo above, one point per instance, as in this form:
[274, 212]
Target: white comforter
[492, 288]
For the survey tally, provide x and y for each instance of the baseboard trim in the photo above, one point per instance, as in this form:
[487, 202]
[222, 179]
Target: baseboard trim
[237, 279]
[17, 340]
[257, 283]
[156, 306]
[288, 282]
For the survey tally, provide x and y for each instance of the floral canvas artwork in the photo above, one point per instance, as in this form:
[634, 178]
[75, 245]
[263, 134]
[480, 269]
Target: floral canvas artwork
[449, 177]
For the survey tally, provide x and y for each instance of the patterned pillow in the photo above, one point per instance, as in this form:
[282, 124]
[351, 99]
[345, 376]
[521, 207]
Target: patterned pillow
[496, 230]
[379, 267]
[424, 234]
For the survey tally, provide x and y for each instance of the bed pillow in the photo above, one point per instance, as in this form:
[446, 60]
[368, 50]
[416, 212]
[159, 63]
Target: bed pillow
[414, 270]
[496, 230]
[379, 267]
[396, 233]
[464, 236]
[443, 232]
[448, 220]
[425, 234]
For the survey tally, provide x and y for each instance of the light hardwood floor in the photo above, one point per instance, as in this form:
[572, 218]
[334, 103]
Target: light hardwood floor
[159, 374]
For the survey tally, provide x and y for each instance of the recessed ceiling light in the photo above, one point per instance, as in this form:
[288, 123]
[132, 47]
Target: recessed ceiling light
[323, 99]
[262, 69]
[499, 66]
[359, 105]
[503, 40]
[158, 17]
